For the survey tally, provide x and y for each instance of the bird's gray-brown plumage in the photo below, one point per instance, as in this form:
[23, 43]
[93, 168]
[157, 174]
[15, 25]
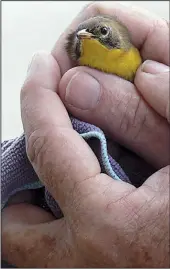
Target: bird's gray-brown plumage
[117, 37]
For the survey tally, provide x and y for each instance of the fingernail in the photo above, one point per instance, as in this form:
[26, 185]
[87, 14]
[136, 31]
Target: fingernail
[153, 67]
[37, 62]
[83, 91]
[33, 65]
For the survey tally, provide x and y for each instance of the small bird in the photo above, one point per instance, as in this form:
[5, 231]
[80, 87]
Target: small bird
[103, 43]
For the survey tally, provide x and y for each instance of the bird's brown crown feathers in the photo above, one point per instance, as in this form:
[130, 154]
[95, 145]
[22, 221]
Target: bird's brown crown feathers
[119, 36]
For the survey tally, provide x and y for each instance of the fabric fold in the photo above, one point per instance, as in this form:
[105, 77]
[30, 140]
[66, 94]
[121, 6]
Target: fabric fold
[17, 173]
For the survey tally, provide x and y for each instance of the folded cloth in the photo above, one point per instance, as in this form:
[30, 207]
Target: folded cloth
[17, 173]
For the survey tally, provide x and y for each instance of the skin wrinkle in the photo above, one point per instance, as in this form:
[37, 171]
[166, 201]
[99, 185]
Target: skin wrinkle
[125, 120]
[86, 194]
[34, 150]
[123, 199]
[36, 155]
[131, 122]
[81, 202]
[106, 189]
[130, 219]
[137, 110]
[77, 184]
[89, 196]
[131, 206]
[151, 224]
[88, 210]
[117, 106]
[136, 208]
[158, 240]
[141, 213]
[49, 175]
[141, 126]
[139, 217]
[39, 161]
[108, 186]
[37, 145]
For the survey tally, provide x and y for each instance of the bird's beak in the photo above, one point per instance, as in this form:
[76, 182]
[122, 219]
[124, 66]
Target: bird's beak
[83, 34]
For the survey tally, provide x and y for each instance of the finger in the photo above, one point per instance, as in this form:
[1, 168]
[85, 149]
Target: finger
[146, 31]
[25, 214]
[116, 106]
[152, 80]
[60, 157]
[31, 236]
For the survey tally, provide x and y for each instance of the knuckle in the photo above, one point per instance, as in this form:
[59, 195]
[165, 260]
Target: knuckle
[139, 118]
[131, 113]
[126, 107]
[36, 147]
[136, 117]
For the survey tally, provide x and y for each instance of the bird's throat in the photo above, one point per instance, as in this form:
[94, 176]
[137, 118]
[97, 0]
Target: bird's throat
[123, 63]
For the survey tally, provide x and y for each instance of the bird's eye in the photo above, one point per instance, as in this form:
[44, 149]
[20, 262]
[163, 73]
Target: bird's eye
[104, 30]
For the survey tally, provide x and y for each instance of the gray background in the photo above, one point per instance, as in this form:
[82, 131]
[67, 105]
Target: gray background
[31, 26]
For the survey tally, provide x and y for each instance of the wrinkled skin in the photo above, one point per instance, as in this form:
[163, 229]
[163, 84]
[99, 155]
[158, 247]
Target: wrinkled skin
[106, 223]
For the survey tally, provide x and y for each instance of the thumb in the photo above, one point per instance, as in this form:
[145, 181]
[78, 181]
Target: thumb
[115, 105]
[152, 80]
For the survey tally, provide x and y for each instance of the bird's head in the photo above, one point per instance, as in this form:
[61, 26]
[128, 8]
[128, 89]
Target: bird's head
[105, 29]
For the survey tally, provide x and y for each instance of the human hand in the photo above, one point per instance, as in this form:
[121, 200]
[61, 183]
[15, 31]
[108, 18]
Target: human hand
[134, 114]
[103, 218]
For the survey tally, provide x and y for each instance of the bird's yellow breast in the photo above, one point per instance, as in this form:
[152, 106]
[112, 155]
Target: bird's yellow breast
[116, 61]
